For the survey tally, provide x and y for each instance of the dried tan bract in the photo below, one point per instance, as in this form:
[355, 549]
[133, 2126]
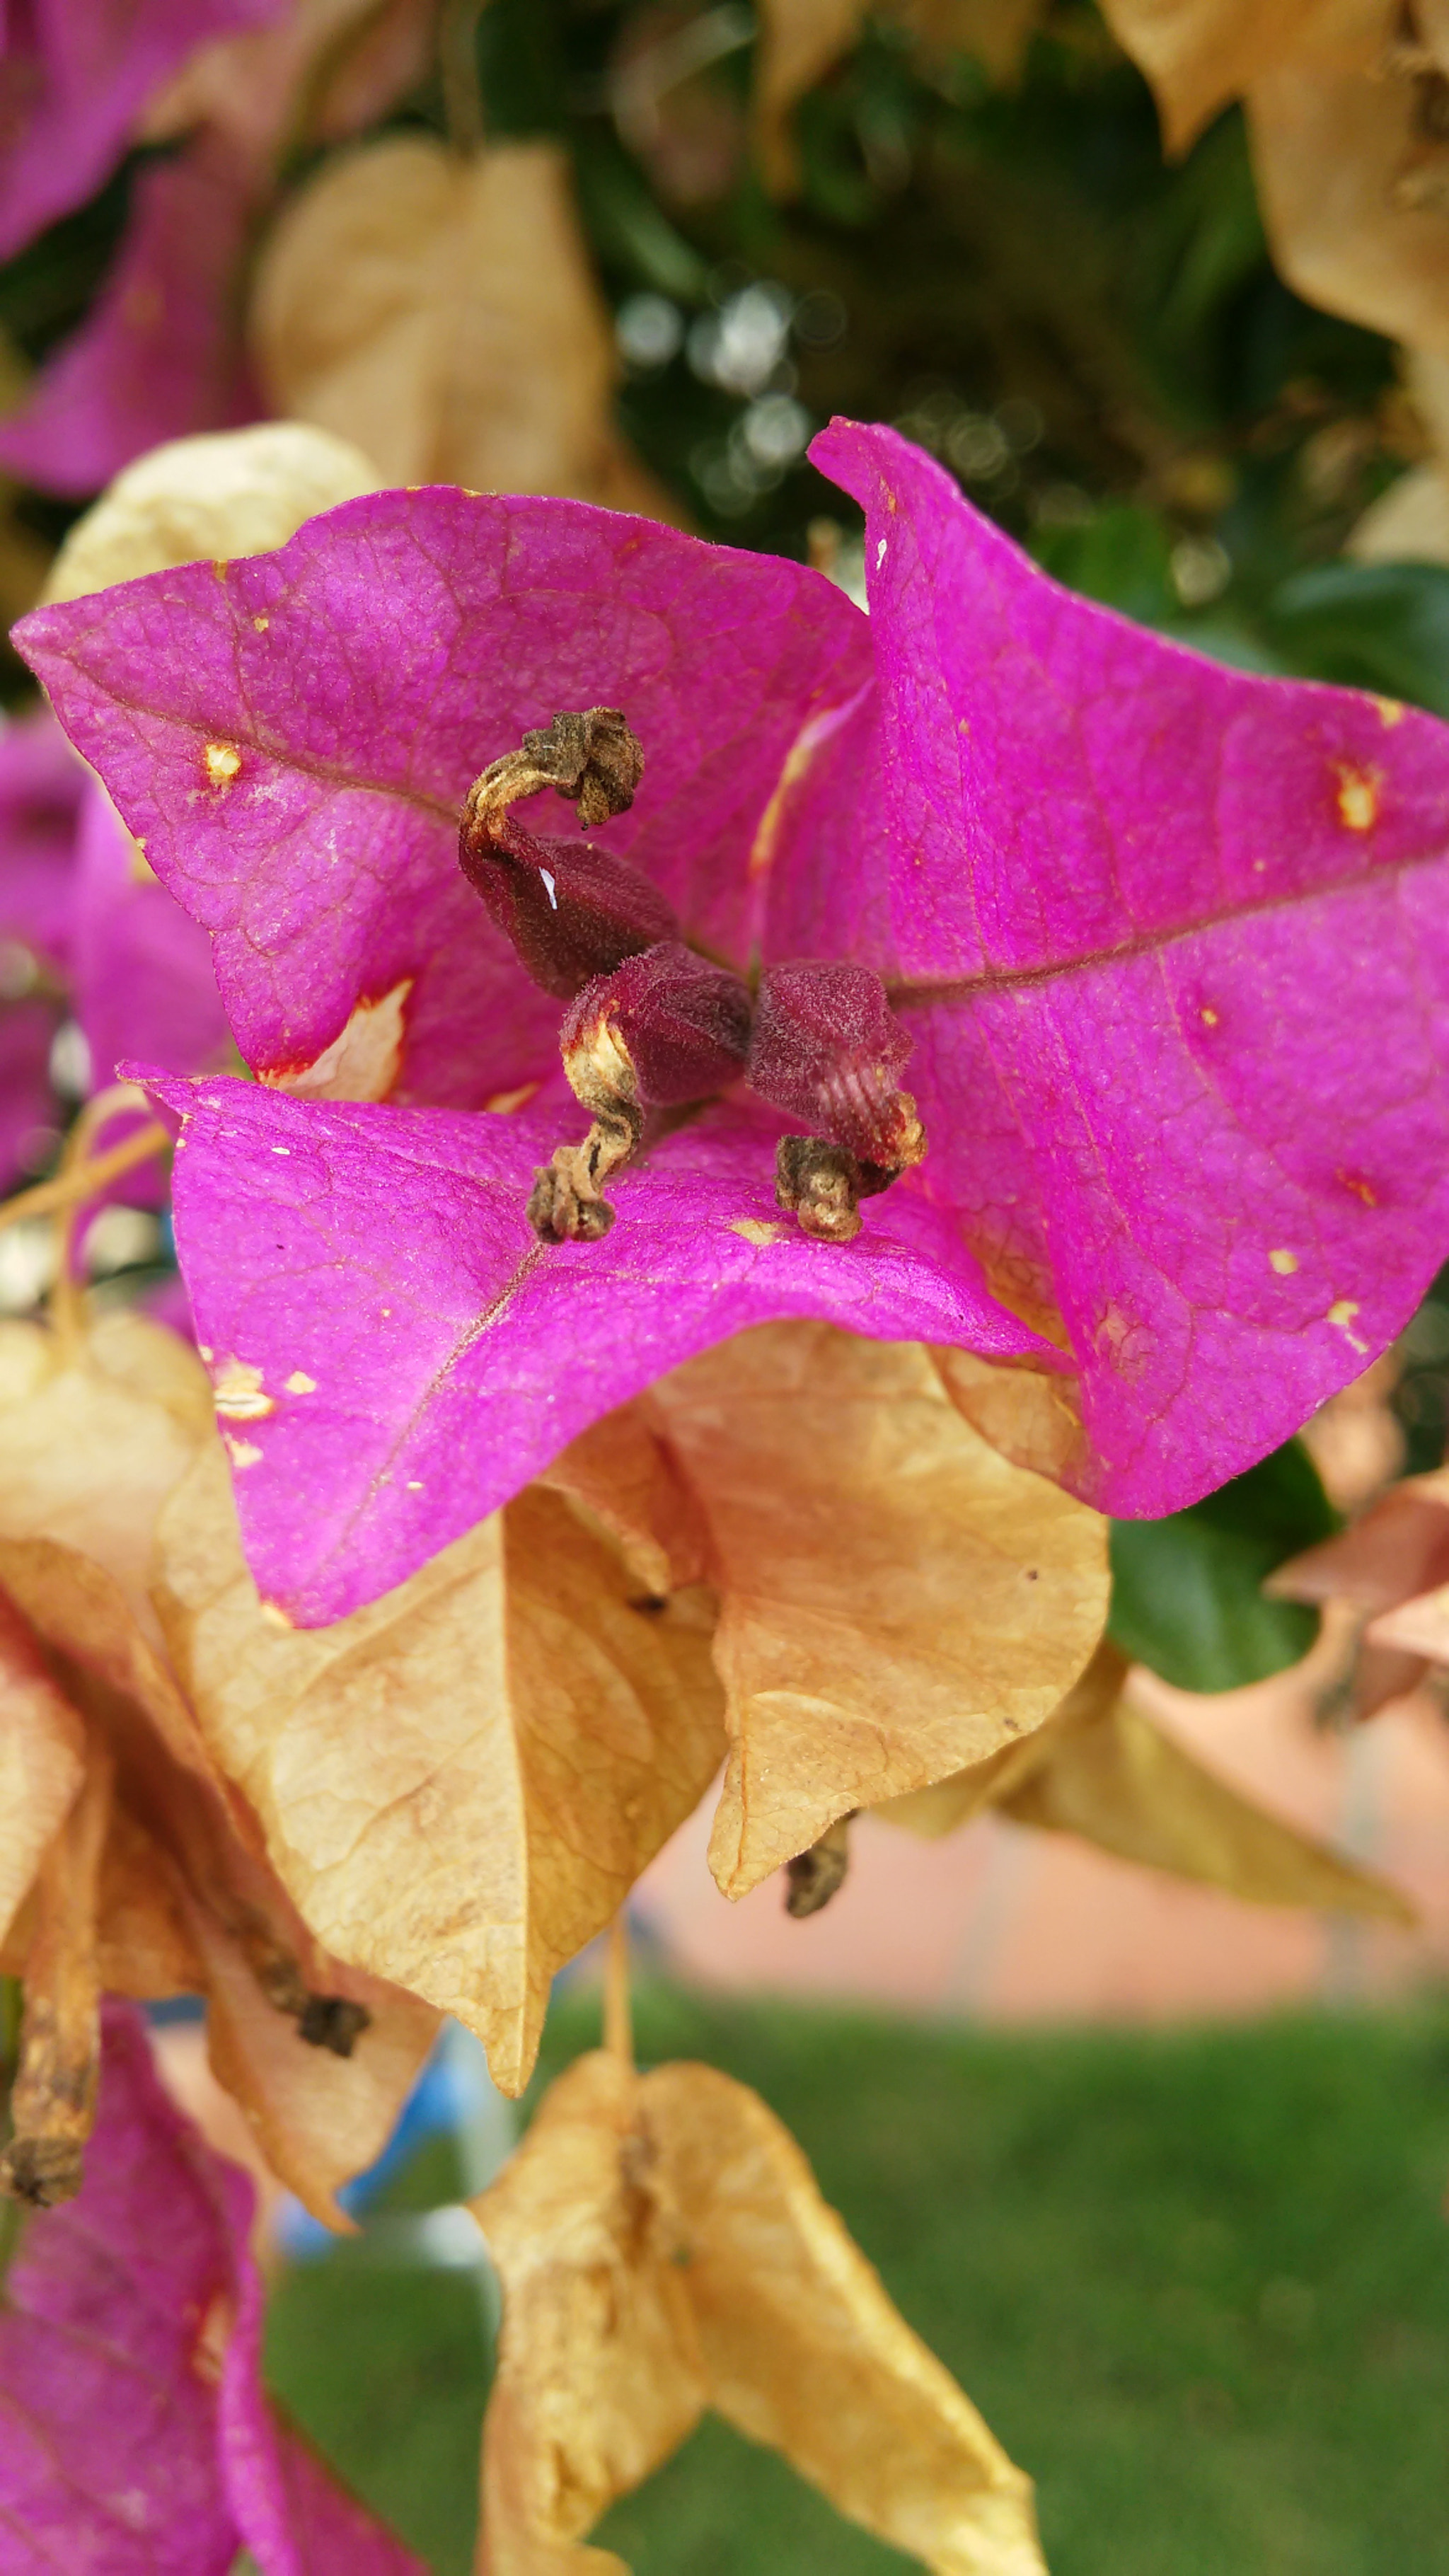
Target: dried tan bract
[1102, 1768]
[195, 500]
[1392, 1567]
[441, 312]
[460, 1784]
[1346, 105]
[897, 1600]
[94, 1435]
[664, 2247]
[1198, 54]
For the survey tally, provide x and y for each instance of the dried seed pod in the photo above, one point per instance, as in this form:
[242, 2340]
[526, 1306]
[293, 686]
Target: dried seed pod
[827, 1047]
[664, 1028]
[571, 911]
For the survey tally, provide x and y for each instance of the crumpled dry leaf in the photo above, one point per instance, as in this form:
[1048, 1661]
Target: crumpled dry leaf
[441, 313]
[1102, 1768]
[1200, 53]
[94, 1435]
[232, 492]
[1345, 109]
[897, 1599]
[460, 1784]
[664, 2247]
[599, 2376]
[800, 40]
[1392, 1566]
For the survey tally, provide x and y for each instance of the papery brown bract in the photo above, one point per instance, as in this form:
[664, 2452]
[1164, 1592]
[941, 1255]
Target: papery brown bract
[1391, 1566]
[1198, 54]
[460, 1784]
[1351, 161]
[94, 1437]
[1103, 1768]
[440, 312]
[195, 500]
[598, 2377]
[896, 1598]
[664, 2247]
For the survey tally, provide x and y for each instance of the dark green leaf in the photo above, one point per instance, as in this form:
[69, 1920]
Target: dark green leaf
[1186, 1591]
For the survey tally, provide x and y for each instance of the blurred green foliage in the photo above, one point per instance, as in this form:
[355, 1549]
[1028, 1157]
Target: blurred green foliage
[1185, 1590]
[1195, 2282]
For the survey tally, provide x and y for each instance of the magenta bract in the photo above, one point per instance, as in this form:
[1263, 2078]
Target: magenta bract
[1166, 939]
[138, 2439]
[159, 354]
[418, 1354]
[74, 78]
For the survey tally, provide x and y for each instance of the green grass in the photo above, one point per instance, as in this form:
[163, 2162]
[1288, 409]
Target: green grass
[1197, 2282]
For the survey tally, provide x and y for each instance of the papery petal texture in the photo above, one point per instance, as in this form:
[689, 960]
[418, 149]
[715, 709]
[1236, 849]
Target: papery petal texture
[351, 686]
[75, 77]
[395, 1352]
[1170, 939]
[159, 354]
[138, 2440]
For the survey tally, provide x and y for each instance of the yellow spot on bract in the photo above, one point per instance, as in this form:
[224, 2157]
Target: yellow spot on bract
[1358, 796]
[1285, 1263]
[1390, 713]
[207, 1353]
[1361, 1188]
[238, 1392]
[261, 624]
[415, 1484]
[299, 1383]
[222, 763]
[756, 1229]
[274, 1615]
[503, 1103]
[1208, 1016]
[1341, 1315]
[240, 1452]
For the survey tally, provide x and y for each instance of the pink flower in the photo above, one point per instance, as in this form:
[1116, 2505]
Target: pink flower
[1166, 939]
[138, 2437]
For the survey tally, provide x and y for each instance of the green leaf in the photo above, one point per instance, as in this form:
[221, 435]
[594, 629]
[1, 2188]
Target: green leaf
[1370, 626]
[1186, 1591]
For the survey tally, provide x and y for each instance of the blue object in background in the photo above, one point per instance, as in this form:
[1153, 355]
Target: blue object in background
[454, 2098]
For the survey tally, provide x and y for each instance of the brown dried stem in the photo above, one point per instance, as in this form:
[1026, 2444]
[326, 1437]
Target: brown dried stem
[53, 2101]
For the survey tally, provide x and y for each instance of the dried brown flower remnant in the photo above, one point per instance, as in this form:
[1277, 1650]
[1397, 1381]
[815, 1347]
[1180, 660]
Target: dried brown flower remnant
[1102, 1768]
[664, 2248]
[814, 1876]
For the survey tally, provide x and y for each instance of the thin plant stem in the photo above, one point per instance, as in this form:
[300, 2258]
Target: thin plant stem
[618, 2017]
[72, 1185]
[458, 64]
